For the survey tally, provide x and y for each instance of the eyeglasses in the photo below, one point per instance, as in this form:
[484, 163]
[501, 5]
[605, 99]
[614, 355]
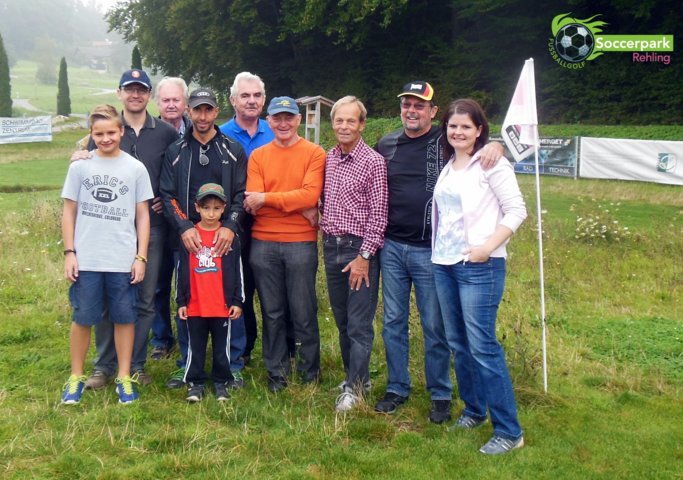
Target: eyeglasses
[418, 107]
[139, 89]
[203, 158]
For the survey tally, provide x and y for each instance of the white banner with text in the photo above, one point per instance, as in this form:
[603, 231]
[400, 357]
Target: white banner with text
[25, 129]
[655, 161]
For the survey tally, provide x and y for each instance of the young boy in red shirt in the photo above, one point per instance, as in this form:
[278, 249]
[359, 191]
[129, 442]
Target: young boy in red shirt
[210, 294]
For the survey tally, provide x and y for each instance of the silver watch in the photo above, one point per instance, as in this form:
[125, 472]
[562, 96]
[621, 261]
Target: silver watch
[365, 255]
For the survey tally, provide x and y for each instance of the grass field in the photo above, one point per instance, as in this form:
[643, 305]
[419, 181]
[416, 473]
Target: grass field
[87, 89]
[615, 332]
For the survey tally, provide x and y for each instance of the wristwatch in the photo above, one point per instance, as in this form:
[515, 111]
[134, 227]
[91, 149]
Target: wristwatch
[365, 255]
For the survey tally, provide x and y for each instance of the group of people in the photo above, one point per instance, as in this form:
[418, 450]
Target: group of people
[237, 209]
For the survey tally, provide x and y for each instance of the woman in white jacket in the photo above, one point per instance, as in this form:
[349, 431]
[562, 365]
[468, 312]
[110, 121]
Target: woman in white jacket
[475, 212]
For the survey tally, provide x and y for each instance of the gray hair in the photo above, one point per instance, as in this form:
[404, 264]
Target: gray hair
[177, 81]
[348, 100]
[246, 77]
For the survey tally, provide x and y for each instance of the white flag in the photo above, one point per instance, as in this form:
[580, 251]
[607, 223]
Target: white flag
[521, 123]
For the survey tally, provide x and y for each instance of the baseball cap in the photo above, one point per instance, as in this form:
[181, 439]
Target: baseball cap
[209, 189]
[135, 76]
[418, 89]
[283, 104]
[202, 96]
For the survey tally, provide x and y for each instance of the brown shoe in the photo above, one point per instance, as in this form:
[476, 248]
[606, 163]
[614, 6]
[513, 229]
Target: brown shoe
[97, 380]
[142, 377]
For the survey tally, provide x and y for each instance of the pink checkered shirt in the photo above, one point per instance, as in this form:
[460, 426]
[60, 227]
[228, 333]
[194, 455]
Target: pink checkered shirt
[355, 196]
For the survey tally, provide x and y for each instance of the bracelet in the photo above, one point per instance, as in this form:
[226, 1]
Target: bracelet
[69, 250]
[141, 258]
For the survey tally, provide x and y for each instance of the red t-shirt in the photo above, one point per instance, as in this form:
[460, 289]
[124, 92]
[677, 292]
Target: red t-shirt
[206, 281]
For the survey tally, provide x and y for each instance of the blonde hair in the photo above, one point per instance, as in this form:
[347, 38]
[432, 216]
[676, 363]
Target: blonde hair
[105, 112]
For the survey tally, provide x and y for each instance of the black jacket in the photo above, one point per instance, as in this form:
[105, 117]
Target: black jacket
[231, 271]
[175, 180]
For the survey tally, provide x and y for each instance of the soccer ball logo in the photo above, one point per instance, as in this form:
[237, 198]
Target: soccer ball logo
[574, 42]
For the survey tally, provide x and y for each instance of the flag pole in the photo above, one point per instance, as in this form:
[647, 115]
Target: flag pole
[540, 264]
[520, 134]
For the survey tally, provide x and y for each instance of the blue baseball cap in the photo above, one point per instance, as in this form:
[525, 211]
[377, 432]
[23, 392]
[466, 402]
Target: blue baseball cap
[283, 104]
[135, 76]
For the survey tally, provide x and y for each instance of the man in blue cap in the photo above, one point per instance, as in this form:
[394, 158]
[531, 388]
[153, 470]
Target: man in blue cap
[285, 178]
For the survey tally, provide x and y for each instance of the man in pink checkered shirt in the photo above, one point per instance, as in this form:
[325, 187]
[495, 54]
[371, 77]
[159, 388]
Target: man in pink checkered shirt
[354, 216]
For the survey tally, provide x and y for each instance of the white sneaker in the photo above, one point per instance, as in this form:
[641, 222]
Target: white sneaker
[346, 401]
[366, 387]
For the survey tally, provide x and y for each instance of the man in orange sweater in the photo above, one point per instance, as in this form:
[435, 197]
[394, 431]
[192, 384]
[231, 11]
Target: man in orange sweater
[284, 179]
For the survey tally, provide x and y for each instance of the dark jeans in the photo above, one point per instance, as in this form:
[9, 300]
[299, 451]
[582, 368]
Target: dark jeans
[250, 323]
[354, 310]
[104, 331]
[285, 279]
[162, 330]
[199, 329]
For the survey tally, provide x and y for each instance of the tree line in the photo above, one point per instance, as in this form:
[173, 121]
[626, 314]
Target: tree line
[372, 47]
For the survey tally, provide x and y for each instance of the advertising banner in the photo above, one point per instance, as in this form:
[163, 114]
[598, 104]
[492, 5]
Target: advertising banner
[557, 156]
[643, 160]
[25, 129]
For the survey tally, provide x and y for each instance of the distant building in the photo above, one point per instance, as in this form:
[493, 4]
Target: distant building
[98, 54]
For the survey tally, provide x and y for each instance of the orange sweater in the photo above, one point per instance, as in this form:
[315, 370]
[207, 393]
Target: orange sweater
[292, 178]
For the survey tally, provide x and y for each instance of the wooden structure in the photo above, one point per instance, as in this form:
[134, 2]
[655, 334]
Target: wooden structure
[312, 118]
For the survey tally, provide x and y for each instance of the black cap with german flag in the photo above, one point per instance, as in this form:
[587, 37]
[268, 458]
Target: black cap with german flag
[418, 89]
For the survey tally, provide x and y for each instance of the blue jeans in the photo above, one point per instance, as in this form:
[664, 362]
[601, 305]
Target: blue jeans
[104, 331]
[403, 265]
[469, 295]
[354, 310]
[285, 280]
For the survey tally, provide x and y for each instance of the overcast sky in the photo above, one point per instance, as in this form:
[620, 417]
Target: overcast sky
[102, 5]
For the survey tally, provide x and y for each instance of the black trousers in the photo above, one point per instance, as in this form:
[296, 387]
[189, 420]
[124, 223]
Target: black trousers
[354, 310]
[250, 323]
[199, 329]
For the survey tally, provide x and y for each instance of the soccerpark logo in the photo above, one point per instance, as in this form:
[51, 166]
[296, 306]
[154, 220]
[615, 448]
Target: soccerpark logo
[666, 162]
[577, 41]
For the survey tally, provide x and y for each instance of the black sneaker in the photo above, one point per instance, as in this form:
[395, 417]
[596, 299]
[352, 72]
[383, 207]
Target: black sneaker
[194, 393]
[275, 384]
[221, 392]
[390, 402]
[159, 353]
[176, 379]
[441, 411]
[309, 379]
[237, 381]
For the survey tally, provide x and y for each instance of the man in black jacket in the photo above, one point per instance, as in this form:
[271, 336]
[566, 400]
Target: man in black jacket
[203, 155]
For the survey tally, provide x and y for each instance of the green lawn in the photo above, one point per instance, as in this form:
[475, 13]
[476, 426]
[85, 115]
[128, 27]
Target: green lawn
[87, 89]
[615, 334]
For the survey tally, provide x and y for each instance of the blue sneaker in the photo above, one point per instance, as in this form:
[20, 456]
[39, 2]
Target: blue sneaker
[499, 445]
[73, 389]
[125, 387]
